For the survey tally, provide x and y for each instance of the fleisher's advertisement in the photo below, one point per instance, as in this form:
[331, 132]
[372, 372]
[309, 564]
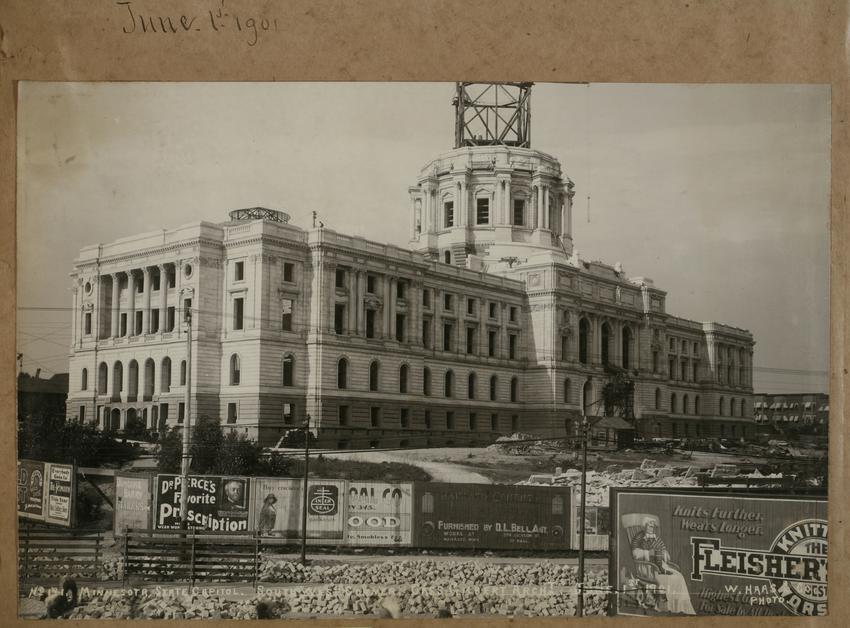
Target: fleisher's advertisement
[216, 503]
[719, 554]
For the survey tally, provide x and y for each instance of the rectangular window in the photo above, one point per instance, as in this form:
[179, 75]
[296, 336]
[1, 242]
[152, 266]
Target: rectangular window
[494, 422]
[695, 371]
[370, 284]
[426, 298]
[342, 415]
[470, 340]
[470, 306]
[519, 211]
[447, 337]
[238, 313]
[449, 208]
[450, 420]
[492, 310]
[123, 325]
[339, 318]
[482, 211]
[427, 419]
[231, 413]
[426, 333]
[473, 421]
[375, 416]
[672, 366]
[187, 309]
[512, 346]
[399, 327]
[564, 348]
[288, 414]
[513, 314]
[163, 412]
[672, 345]
[155, 282]
[82, 415]
[491, 343]
[370, 323]
[183, 373]
[447, 302]
[286, 315]
[181, 412]
[138, 323]
[401, 290]
[340, 278]
[154, 321]
[170, 314]
[239, 271]
[405, 418]
[288, 272]
[88, 324]
[684, 370]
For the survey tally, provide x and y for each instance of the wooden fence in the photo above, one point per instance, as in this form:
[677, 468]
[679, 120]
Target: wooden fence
[48, 554]
[167, 556]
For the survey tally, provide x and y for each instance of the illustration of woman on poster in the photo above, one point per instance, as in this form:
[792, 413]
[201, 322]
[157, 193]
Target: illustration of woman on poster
[647, 546]
[268, 514]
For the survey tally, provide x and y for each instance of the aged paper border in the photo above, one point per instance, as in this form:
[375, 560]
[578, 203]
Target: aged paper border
[719, 41]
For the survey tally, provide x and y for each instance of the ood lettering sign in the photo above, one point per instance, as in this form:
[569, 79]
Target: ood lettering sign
[276, 506]
[378, 513]
[216, 503]
[716, 554]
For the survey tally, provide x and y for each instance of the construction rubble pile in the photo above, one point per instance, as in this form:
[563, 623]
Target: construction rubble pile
[418, 588]
[520, 444]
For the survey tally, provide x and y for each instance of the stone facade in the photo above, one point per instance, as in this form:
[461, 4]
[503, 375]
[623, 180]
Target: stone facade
[490, 323]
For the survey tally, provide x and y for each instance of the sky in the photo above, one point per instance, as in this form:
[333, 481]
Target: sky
[719, 193]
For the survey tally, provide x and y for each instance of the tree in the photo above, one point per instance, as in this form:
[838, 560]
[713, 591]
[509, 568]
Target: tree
[169, 451]
[207, 440]
[618, 393]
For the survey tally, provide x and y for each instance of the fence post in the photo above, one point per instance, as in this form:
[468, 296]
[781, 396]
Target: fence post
[125, 568]
[25, 574]
[192, 561]
[256, 558]
[97, 542]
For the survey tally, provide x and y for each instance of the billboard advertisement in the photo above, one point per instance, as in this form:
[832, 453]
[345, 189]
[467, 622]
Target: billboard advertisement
[60, 494]
[216, 503]
[596, 519]
[277, 507]
[696, 553]
[490, 516]
[31, 489]
[378, 513]
[132, 503]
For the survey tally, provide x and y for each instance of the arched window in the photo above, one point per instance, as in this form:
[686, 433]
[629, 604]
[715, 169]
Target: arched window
[673, 403]
[235, 370]
[732, 406]
[426, 381]
[117, 378]
[183, 372]
[743, 411]
[685, 404]
[150, 372]
[102, 375]
[627, 347]
[133, 381]
[288, 370]
[494, 383]
[586, 397]
[696, 405]
[471, 382]
[165, 375]
[722, 406]
[514, 389]
[449, 383]
[583, 339]
[402, 378]
[342, 373]
[567, 392]
[84, 379]
[606, 341]
[374, 372]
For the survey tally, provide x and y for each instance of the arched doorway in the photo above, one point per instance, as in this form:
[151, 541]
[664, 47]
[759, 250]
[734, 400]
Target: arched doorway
[115, 420]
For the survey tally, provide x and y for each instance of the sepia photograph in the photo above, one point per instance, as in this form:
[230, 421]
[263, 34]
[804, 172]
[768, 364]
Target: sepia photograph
[422, 350]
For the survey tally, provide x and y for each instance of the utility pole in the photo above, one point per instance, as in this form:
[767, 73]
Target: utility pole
[580, 584]
[187, 433]
[306, 428]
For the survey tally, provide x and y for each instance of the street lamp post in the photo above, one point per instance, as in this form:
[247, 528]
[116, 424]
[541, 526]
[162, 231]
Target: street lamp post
[584, 427]
[306, 428]
[187, 433]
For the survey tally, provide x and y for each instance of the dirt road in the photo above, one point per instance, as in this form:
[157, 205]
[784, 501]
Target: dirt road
[439, 471]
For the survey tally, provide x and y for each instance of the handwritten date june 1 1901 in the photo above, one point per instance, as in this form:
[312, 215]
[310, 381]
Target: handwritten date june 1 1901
[215, 21]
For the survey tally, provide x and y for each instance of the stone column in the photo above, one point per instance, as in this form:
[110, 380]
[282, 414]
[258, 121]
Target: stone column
[115, 319]
[437, 322]
[463, 219]
[482, 328]
[502, 349]
[131, 304]
[496, 210]
[351, 323]
[146, 310]
[392, 308]
[509, 207]
[361, 307]
[163, 298]
[385, 315]
[330, 286]
[541, 208]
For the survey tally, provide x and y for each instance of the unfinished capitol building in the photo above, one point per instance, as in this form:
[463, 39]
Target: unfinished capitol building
[490, 323]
